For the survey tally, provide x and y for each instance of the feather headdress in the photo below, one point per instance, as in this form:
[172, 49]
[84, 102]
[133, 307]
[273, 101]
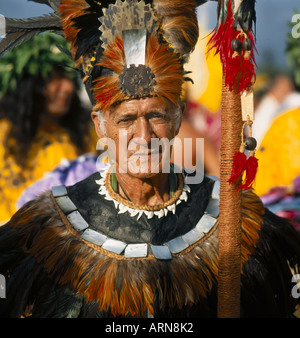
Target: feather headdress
[130, 49]
[125, 49]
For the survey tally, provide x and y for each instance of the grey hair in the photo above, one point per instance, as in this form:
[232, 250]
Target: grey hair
[102, 120]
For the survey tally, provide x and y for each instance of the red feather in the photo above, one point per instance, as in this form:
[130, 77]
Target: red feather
[238, 69]
[251, 170]
[238, 167]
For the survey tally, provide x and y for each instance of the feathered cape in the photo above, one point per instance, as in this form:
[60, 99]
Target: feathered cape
[52, 272]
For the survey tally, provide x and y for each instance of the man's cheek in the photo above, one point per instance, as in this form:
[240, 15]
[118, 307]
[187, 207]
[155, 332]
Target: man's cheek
[121, 149]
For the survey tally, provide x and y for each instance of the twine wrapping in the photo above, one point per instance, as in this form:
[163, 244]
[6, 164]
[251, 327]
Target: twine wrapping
[230, 210]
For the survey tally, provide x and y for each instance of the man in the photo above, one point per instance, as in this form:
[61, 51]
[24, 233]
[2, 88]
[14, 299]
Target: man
[137, 240]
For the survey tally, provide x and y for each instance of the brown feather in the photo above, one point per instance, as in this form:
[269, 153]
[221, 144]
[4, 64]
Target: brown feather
[93, 272]
[164, 64]
[179, 23]
[68, 10]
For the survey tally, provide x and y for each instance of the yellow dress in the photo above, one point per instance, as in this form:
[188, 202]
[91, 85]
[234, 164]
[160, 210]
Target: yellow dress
[279, 153]
[45, 154]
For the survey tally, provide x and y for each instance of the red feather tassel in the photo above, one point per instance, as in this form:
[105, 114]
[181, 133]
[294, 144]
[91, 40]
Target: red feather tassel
[238, 69]
[238, 167]
[251, 170]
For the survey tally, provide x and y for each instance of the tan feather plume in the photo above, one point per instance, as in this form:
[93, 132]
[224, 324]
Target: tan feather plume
[179, 24]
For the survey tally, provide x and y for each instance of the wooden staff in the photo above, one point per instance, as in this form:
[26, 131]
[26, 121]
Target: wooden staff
[230, 210]
[235, 46]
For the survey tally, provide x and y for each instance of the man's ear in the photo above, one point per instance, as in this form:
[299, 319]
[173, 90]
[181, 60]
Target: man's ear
[96, 121]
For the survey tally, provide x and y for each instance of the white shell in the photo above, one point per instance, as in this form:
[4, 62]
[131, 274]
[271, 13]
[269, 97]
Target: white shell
[138, 212]
[136, 250]
[58, 191]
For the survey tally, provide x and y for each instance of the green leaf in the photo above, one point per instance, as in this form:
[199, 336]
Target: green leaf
[33, 68]
[22, 62]
[35, 57]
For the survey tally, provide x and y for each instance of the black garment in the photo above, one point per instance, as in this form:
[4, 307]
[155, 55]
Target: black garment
[51, 272]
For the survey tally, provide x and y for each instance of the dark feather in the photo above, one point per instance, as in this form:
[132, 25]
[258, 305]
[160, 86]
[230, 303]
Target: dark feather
[65, 51]
[9, 239]
[201, 2]
[91, 310]
[18, 288]
[49, 21]
[15, 39]
[246, 15]
[22, 30]
[222, 12]
[89, 34]
[54, 4]
[95, 5]
[54, 301]
[267, 274]
[45, 2]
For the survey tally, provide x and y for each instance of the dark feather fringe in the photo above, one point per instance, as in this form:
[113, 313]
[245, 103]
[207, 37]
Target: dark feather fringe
[64, 276]
[30, 293]
[55, 301]
[28, 285]
[124, 287]
[80, 23]
[278, 249]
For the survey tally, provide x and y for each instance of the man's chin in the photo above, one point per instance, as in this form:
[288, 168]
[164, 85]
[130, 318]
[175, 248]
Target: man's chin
[141, 173]
[144, 166]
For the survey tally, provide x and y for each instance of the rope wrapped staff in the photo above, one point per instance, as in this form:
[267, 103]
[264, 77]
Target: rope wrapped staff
[233, 39]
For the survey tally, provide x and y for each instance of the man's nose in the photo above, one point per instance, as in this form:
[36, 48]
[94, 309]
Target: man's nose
[143, 130]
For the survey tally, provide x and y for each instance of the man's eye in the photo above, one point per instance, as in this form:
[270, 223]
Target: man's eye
[125, 120]
[157, 115]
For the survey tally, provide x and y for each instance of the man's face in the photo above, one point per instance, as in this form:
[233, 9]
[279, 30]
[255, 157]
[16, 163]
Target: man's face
[133, 126]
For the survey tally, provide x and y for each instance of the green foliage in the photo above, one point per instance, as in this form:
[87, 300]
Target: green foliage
[35, 57]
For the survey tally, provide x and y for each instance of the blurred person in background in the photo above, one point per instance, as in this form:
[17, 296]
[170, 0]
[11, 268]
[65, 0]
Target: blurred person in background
[280, 94]
[42, 119]
[278, 177]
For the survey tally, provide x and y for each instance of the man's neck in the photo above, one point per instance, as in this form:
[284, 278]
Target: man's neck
[144, 191]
